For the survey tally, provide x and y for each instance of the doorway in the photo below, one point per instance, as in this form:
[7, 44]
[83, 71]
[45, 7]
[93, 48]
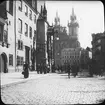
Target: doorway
[27, 49]
[3, 63]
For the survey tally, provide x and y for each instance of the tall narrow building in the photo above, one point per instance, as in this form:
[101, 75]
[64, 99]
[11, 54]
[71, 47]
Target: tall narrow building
[41, 42]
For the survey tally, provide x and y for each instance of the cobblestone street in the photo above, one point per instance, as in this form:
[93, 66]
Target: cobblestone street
[55, 89]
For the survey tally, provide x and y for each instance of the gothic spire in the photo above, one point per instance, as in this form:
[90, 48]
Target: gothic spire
[44, 6]
[41, 13]
[44, 12]
[72, 11]
[41, 10]
[73, 17]
[57, 19]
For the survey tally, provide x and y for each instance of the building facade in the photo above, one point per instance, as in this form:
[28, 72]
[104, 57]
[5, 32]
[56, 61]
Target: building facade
[70, 56]
[7, 44]
[21, 33]
[25, 33]
[98, 49]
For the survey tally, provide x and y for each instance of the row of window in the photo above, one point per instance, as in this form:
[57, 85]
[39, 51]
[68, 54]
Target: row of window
[69, 53]
[19, 60]
[70, 61]
[26, 11]
[26, 29]
[70, 57]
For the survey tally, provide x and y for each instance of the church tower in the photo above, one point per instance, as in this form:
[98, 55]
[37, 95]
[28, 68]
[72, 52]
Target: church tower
[45, 12]
[73, 26]
[57, 20]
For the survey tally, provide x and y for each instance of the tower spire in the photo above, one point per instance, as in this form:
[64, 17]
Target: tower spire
[41, 9]
[72, 11]
[44, 12]
[56, 14]
[57, 19]
[73, 17]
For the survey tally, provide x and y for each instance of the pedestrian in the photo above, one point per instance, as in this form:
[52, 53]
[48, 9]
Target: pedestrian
[41, 68]
[25, 70]
[48, 69]
[37, 69]
[68, 70]
[44, 69]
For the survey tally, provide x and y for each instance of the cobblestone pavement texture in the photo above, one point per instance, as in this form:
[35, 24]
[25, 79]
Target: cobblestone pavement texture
[55, 89]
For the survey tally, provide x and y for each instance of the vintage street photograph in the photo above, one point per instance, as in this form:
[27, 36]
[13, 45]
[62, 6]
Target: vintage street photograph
[52, 52]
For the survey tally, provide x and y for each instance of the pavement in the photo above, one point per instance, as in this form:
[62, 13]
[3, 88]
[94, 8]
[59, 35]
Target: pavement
[53, 88]
[16, 77]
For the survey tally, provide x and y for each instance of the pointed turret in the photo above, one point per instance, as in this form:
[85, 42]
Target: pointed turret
[44, 12]
[41, 13]
[73, 26]
[73, 17]
[57, 19]
[41, 10]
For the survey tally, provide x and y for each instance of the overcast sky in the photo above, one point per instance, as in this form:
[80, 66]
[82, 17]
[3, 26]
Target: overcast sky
[90, 16]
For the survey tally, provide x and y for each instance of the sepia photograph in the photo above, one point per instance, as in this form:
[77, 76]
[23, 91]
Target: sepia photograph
[52, 52]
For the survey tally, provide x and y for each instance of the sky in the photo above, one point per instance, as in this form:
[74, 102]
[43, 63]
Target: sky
[89, 14]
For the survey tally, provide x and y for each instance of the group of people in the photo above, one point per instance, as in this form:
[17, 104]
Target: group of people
[42, 69]
[74, 69]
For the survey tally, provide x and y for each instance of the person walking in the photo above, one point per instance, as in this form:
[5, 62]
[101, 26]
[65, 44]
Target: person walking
[68, 69]
[25, 68]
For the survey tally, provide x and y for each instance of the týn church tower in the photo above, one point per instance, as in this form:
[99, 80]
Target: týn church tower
[73, 26]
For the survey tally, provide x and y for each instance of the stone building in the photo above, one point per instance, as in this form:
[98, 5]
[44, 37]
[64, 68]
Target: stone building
[62, 39]
[20, 30]
[7, 57]
[41, 42]
[84, 58]
[70, 56]
[98, 49]
[73, 31]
